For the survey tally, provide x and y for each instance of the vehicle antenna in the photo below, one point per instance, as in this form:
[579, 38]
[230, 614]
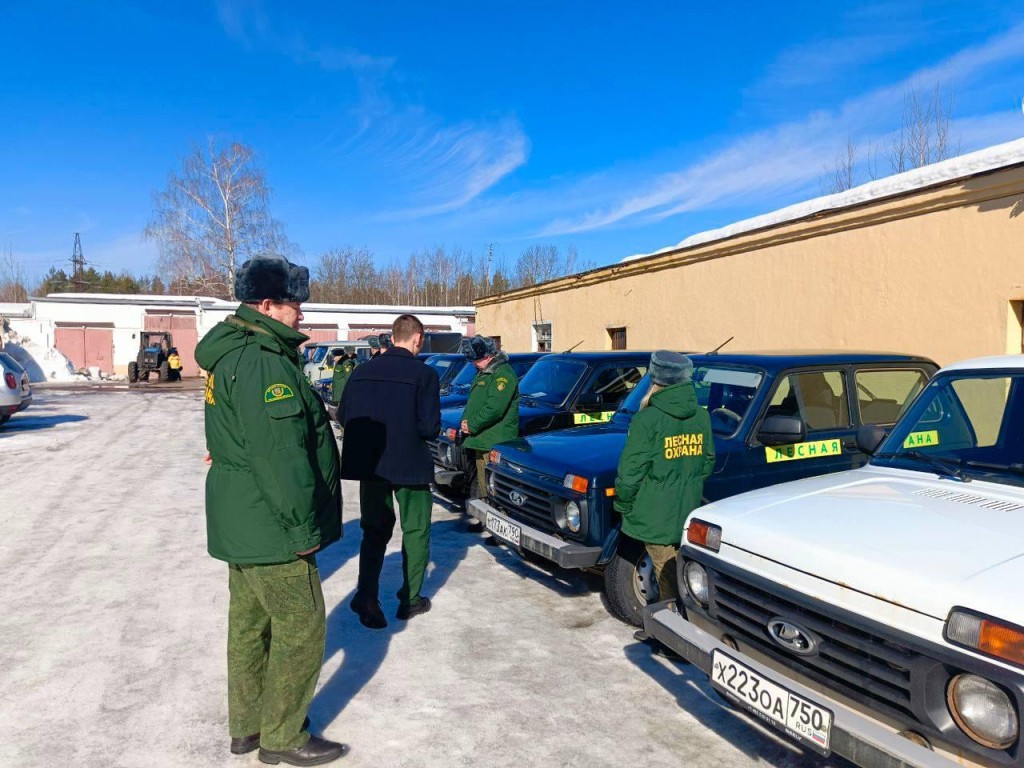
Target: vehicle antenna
[570, 349]
[715, 350]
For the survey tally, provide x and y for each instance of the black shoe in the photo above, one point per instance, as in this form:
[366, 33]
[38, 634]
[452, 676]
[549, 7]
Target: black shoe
[368, 608]
[316, 751]
[241, 745]
[657, 647]
[492, 541]
[406, 612]
[474, 526]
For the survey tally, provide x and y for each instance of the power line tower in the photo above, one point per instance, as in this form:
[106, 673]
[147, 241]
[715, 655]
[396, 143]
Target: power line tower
[77, 266]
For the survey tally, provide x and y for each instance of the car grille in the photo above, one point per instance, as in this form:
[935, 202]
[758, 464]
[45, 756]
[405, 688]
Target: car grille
[535, 510]
[866, 667]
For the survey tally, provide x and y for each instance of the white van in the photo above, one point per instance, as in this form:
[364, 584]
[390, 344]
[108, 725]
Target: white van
[319, 357]
[876, 613]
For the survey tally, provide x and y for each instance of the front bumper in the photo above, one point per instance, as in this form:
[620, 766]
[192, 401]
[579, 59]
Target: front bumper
[563, 553]
[854, 736]
[450, 477]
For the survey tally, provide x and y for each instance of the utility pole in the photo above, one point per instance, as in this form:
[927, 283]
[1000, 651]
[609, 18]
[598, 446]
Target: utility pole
[78, 266]
[487, 269]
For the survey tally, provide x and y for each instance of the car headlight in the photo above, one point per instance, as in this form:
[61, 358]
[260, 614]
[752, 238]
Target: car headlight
[982, 710]
[572, 516]
[449, 454]
[697, 582]
[492, 487]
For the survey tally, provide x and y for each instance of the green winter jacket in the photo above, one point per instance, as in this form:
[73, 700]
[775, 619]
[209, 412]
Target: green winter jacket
[274, 488]
[669, 452]
[493, 406]
[341, 373]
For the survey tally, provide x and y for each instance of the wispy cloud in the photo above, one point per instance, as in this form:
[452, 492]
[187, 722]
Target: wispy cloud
[248, 22]
[447, 167]
[790, 156]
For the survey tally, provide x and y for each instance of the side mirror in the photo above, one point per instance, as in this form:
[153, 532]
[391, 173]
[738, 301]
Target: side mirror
[782, 430]
[869, 437]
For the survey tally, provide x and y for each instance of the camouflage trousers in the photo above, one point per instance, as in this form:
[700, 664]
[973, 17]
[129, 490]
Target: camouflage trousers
[663, 558]
[377, 520]
[276, 634]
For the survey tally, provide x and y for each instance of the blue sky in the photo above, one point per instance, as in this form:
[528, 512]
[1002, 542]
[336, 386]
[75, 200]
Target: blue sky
[619, 127]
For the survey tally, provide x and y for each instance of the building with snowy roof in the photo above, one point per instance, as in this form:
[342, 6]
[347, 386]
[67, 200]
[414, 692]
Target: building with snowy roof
[95, 330]
[930, 261]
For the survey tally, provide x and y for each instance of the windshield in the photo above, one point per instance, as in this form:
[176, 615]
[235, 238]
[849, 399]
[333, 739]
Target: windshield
[463, 379]
[446, 367]
[965, 426]
[551, 381]
[726, 392]
[319, 353]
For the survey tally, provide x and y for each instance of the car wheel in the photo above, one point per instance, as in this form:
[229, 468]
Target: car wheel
[133, 372]
[629, 582]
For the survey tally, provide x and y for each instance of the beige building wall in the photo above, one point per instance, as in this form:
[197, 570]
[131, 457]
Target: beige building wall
[934, 272]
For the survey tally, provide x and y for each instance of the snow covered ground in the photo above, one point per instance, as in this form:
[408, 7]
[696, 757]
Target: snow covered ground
[112, 627]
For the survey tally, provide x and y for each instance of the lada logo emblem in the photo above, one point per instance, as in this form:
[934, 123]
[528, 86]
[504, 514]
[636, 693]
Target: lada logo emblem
[517, 498]
[792, 637]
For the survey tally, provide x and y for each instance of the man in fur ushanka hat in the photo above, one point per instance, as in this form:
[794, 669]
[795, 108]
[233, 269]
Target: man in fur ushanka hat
[273, 499]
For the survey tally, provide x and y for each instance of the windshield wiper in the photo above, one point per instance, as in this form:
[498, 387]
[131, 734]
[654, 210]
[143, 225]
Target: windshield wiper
[945, 466]
[1016, 468]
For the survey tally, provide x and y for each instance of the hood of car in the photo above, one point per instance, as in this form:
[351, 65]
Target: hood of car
[589, 451]
[900, 536]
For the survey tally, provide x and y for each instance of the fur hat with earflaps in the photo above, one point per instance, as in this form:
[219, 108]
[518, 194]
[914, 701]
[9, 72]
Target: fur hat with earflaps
[479, 347]
[271, 276]
[668, 368]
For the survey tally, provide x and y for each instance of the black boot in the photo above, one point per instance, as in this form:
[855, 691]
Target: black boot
[241, 745]
[316, 751]
[368, 608]
[406, 612]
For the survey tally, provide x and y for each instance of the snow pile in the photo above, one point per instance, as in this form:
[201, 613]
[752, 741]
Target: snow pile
[972, 164]
[41, 363]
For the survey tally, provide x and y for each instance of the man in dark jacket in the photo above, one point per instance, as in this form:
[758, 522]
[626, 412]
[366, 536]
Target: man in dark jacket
[491, 414]
[390, 408]
[273, 499]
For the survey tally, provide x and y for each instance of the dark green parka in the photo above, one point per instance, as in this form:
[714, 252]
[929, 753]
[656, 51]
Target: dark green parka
[274, 487]
[492, 410]
[341, 373]
[669, 452]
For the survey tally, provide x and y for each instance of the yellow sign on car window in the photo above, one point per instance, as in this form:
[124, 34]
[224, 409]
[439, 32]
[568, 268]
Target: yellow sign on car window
[922, 439]
[592, 418]
[816, 449]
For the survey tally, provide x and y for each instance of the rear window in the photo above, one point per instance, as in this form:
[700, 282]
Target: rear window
[11, 363]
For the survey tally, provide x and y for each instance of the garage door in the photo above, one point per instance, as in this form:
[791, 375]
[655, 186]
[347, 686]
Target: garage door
[87, 346]
[183, 333]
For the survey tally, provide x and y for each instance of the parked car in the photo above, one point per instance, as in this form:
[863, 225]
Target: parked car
[447, 366]
[775, 417]
[560, 390]
[456, 393]
[319, 356]
[15, 391]
[877, 613]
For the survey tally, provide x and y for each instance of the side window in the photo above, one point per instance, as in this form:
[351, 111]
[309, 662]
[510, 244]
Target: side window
[609, 385]
[882, 396]
[817, 397]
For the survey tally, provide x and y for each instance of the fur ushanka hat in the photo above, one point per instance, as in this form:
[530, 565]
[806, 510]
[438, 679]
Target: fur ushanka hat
[270, 276]
[668, 368]
[479, 347]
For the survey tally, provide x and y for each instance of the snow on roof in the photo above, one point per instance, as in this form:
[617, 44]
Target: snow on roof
[982, 161]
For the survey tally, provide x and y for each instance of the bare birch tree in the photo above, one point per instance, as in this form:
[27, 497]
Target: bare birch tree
[213, 214]
[14, 278]
[924, 136]
[840, 176]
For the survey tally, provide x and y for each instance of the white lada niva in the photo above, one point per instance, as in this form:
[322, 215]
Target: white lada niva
[876, 613]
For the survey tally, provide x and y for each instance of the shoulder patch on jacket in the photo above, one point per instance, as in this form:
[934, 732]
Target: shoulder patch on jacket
[502, 382]
[277, 392]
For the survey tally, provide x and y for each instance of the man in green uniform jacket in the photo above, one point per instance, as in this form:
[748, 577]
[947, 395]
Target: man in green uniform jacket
[273, 499]
[491, 414]
[668, 454]
[343, 368]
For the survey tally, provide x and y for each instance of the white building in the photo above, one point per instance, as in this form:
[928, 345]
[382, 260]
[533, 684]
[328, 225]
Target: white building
[102, 330]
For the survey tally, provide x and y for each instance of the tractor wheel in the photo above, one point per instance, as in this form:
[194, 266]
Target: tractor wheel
[629, 581]
[165, 371]
[133, 372]
[143, 375]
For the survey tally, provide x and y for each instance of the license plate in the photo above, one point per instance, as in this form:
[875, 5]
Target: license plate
[503, 529]
[793, 714]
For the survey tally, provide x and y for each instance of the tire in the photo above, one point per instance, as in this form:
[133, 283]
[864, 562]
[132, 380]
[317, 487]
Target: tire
[165, 371]
[133, 372]
[143, 375]
[629, 582]
[4, 419]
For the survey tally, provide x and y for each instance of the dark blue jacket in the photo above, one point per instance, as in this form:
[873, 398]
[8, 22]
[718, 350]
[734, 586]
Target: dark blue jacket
[390, 408]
